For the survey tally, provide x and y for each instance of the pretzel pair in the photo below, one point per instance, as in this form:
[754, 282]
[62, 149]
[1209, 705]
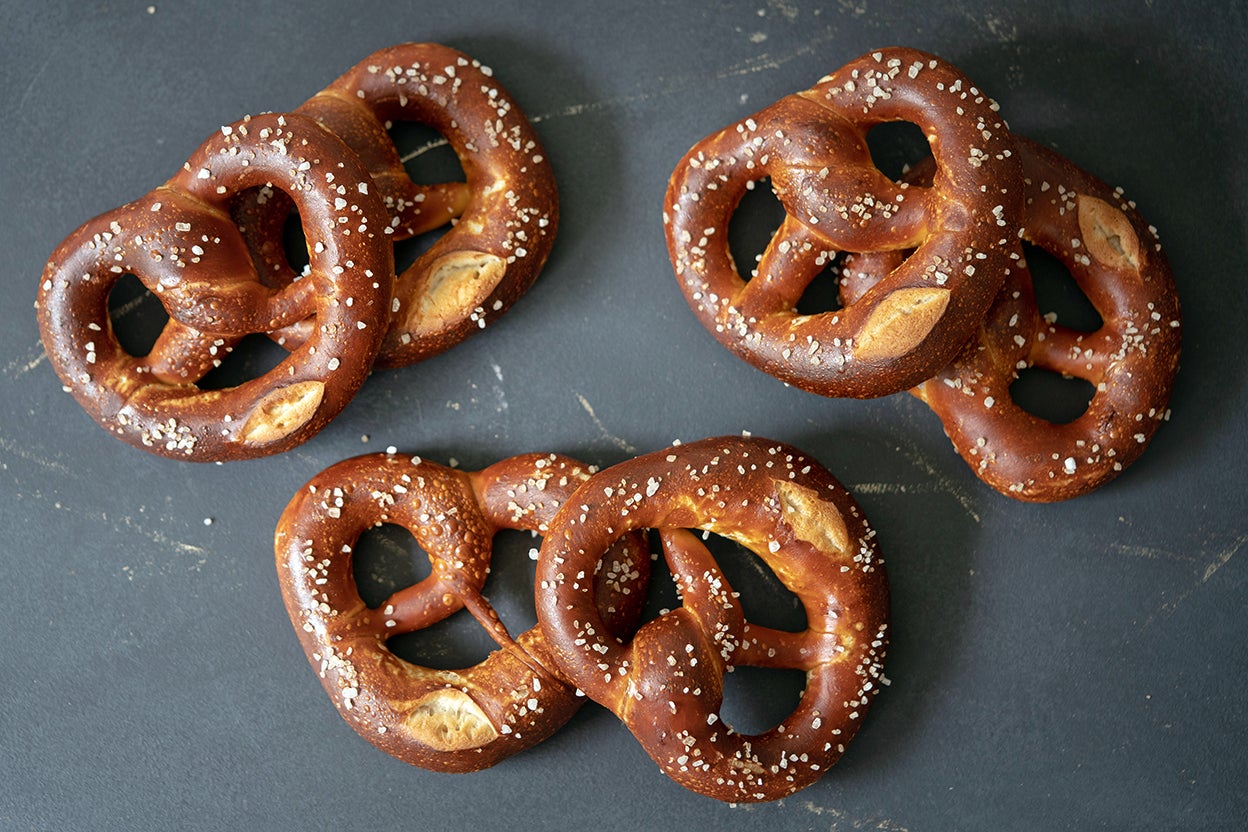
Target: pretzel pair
[208, 245]
[665, 682]
[942, 284]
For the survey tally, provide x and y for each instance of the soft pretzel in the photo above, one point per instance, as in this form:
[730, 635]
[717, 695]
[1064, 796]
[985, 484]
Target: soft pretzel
[180, 241]
[666, 684]
[813, 147]
[507, 210]
[1131, 360]
[445, 720]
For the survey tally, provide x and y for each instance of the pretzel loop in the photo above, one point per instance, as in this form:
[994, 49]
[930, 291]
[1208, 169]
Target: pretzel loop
[445, 720]
[812, 145]
[666, 684]
[179, 241]
[1131, 361]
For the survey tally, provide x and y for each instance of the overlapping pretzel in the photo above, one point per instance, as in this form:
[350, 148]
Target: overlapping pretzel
[903, 321]
[180, 241]
[666, 684]
[1130, 360]
[506, 213]
[208, 243]
[445, 720]
[813, 147]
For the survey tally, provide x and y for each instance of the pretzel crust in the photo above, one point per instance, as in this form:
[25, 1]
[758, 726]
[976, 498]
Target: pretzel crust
[444, 720]
[180, 241]
[666, 684]
[813, 147]
[506, 214]
[1114, 256]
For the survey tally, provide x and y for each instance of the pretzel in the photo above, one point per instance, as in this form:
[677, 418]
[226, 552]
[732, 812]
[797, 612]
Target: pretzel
[1131, 360]
[666, 684]
[443, 720]
[508, 209]
[180, 242]
[813, 147]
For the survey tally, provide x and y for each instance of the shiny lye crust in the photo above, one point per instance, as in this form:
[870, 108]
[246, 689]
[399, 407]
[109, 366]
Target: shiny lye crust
[506, 213]
[180, 241]
[813, 147]
[1131, 361]
[444, 720]
[666, 684]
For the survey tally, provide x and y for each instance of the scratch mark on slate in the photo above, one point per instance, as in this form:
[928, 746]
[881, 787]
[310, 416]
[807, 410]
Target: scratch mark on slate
[675, 85]
[19, 367]
[10, 447]
[1150, 553]
[615, 440]
[942, 483]
[1224, 557]
[1220, 559]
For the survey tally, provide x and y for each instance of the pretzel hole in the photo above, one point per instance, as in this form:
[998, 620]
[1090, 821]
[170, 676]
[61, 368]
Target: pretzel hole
[427, 156]
[661, 588]
[823, 293]
[513, 572]
[763, 598]
[136, 314]
[295, 244]
[1051, 396]
[1058, 296]
[896, 147]
[253, 356]
[757, 699]
[752, 225]
[387, 558]
[407, 250]
[428, 159]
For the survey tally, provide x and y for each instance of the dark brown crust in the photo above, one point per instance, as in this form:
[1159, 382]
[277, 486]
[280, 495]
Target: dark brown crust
[1131, 360]
[442, 720]
[666, 684]
[813, 147]
[506, 213]
[180, 241]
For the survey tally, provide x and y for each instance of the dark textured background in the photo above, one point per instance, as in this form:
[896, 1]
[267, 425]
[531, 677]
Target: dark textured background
[1075, 666]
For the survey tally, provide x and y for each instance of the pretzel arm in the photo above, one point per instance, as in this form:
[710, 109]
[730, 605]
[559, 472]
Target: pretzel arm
[766, 647]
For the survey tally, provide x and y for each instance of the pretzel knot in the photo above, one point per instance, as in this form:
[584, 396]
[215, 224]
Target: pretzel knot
[180, 242]
[507, 211]
[1130, 360]
[667, 683]
[813, 147]
[445, 720]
